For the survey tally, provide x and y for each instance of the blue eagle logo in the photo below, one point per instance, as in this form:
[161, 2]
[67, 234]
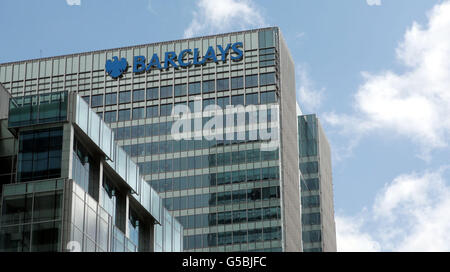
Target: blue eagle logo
[116, 67]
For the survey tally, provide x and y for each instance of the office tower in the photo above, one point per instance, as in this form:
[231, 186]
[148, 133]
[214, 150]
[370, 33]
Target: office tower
[67, 186]
[319, 232]
[230, 193]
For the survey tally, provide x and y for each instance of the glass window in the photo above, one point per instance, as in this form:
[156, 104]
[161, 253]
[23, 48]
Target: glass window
[311, 219]
[251, 99]
[312, 236]
[268, 97]
[223, 84]
[237, 82]
[40, 154]
[194, 88]
[237, 100]
[166, 91]
[267, 79]
[110, 116]
[208, 86]
[180, 89]
[124, 115]
[125, 97]
[251, 81]
[97, 100]
[311, 201]
[152, 111]
[152, 93]
[223, 102]
[138, 113]
[166, 110]
[111, 99]
[138, 95]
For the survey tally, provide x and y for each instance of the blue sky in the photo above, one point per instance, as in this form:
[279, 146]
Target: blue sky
[377, 73]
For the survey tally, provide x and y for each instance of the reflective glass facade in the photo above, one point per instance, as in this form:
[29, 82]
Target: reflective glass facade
[319, 232]
[227, 193]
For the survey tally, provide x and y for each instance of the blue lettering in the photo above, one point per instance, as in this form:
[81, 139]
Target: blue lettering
[181, 56]
[196, 62]
[169, 58]
[238, 51]
[210, 54]
[139, 64]
[154, 62]
[224, 52]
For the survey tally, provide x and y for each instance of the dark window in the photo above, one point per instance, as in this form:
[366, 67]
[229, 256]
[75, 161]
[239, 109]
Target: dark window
[40, 154]
[194, 88]
[110, 116]
[223, 84]
[152, 111]
[237, 82]
[111, 99]
[268, 97]
[138, 113]
[180, 89]
[166, 110]
[125, 97]
[311, 219]
[251, 99]
[208, 86]
[251, 81]
[166, 91]
[138, 95]
[223, 102]
[97, 100]
[237, 100]
[152, 93]
[312, 236]
[124, 115]
[311, 201]
[267, 79]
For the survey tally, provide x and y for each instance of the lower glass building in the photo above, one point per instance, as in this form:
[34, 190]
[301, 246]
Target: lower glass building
[67, 186]
[236, 188]
[319, 231]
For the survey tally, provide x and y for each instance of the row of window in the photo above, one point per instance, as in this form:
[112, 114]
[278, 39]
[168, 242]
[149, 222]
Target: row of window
[194, 88]
[165, 128]
[231, 237]
[207, 180]
[222, 198]
[204, 161]
[207, 161]
[166, 109]
[231, 217]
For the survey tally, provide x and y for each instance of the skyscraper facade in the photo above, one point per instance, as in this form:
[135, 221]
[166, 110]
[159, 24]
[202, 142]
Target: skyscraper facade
[233, 188]
[319, 232]
[67, 186]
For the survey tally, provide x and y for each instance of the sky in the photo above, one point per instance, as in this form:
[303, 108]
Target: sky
[376, 72]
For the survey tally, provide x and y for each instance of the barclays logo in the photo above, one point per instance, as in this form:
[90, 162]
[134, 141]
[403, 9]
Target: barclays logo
[116, 67]
[185, 58]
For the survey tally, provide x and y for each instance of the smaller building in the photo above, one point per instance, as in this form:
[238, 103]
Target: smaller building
[318, 225]
[65, 185]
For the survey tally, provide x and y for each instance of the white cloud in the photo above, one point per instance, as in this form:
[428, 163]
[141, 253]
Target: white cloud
[309, 98]
[350, 237]
[223, 15]
[411, 213]
[373, 2]
[415, 103]
[73, 2]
